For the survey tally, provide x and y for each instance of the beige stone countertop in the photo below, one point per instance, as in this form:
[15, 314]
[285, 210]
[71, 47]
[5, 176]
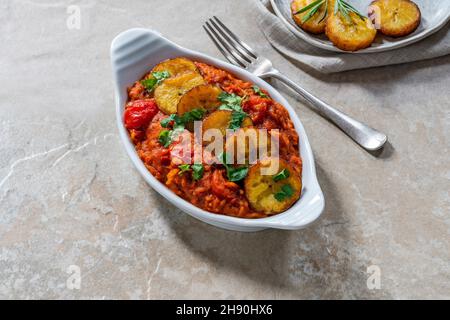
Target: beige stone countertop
[71, 202]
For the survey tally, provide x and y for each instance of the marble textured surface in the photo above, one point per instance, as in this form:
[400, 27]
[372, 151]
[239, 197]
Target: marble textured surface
[69, 196]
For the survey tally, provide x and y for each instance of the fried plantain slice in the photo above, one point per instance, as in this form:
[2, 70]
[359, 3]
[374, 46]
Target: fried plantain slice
[176, 66]
[350, 33]
[169, 93]
[316, 23]
[397, 18]
[203, 96]
[220, 119]
[244, 144]
[275, 193]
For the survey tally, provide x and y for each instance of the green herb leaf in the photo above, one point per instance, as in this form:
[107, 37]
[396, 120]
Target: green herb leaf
[351, 8]
[344, 12]
[177, 130]
[280, 196]
[161, 75]
[236, 119]
[230, 107]
[285, 192]
[345, 8]
[237, 174]
[155, 79]
[193, 115]
[259, 92]
[196, 114]
[287, 189]
[183, 168]
[312, 12]
[164, 138]
[336, 7]
[234, 174]
[179, 124]
[312, 9]
[229, 98]
[309, 6]
[231, 102]
[149, 83]
[197, 171]
[283, 174]
[223, 157]
[340, 6]
[166, 121]
[325, 12]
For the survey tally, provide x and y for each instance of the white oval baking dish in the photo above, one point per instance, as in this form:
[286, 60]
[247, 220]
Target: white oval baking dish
[133, 53]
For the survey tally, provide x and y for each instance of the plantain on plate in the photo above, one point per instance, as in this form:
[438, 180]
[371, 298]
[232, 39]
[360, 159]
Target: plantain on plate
[396, 18]
[350, 30]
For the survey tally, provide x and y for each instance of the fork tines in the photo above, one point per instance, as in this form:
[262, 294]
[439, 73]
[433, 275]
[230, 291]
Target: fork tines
[235, 50]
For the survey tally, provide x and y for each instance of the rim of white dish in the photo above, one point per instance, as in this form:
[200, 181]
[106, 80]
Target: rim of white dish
[382, 48]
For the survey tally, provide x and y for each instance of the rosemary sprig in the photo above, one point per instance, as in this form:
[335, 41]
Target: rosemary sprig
[313, 7]
[345, 8]
[325, 13]
[340, 6]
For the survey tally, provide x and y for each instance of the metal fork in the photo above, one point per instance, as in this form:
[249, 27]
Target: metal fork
[240, 54]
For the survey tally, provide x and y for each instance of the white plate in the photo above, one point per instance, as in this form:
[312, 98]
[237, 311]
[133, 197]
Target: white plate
[435, 15]
[133, 53]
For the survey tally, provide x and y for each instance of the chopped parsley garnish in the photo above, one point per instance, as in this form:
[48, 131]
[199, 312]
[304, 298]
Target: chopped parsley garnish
[155, 79]
[283, 174]
[237, 174]
[233, 173]
[149, 83]
[197, 170]
[179, 124]
[232, 102]
[285, 192]
[166, 121]
[161, 75]
[259, 92]
[236, 120]
[183, 168]
[193, 115]
[177, 130]
[164, 138]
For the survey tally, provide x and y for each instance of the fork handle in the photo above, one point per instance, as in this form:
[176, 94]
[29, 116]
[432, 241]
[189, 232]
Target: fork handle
[367, 137]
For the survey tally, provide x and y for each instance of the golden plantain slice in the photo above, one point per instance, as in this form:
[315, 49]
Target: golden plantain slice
[397, 18]
[200, 97]
[169, 93]
[220, 119]
[316, 24]
[176, 66]
[350, 34]
[267, 194]
[246, 140]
